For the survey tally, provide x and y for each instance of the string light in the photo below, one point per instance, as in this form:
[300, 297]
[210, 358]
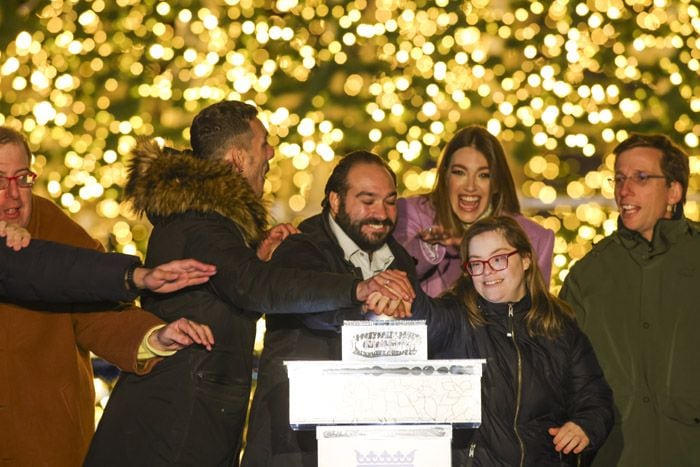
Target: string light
[559, 83]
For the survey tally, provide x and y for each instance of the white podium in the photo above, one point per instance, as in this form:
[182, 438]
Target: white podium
[384, 410]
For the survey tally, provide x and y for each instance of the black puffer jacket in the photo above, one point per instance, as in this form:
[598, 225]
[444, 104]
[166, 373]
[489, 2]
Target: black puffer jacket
[529, 383]
[315, 336]
[191, 409]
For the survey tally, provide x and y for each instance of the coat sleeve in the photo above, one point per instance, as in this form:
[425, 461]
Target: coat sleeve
[116, 336]
[296, 252]
[588, 395]
[53, 272]
[446, 325]
[246, 282]
[410, 221]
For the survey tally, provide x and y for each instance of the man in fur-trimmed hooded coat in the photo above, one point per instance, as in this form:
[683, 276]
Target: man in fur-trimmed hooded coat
[191, 410]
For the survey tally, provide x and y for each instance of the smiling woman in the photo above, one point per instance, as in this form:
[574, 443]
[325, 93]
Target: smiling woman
[473, 181]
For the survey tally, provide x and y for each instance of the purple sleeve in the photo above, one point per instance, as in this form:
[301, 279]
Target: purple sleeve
[415, 215]
[542, 241]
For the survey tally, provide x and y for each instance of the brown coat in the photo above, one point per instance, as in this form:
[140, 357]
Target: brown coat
[46, 388]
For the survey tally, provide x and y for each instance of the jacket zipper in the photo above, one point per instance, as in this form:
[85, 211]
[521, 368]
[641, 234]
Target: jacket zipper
[519, 384]
[470, 455]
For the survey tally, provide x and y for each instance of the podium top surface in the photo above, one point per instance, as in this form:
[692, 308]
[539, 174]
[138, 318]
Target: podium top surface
[419, 367]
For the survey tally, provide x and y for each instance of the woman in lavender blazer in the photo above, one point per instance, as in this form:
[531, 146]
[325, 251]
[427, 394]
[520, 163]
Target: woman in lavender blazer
[473, 181]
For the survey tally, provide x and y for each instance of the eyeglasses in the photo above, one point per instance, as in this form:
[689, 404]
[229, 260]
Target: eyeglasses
[475, 267]
[637, 179]
[24, 180]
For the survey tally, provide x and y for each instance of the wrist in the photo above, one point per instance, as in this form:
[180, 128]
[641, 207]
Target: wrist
[154, 345]
[360, 292]
[133, 278]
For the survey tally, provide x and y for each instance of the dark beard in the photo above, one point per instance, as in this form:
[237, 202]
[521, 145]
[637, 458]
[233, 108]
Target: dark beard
[370, 244]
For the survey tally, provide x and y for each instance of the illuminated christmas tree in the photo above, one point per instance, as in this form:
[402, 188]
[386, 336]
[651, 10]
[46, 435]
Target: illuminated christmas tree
[558, 82]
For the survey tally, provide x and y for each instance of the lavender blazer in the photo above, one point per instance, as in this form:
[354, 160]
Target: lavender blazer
[438, 267]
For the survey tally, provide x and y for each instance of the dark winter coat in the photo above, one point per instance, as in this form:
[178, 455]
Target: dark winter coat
[555, 380]
[191, 411]
[53, 272]
[271, 442]
[639, 302]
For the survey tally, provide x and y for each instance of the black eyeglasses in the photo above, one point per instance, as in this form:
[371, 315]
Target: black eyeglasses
[475, 267]
[24, 180]
[637, 178]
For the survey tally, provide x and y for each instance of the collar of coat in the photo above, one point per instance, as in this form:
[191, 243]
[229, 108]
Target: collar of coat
[499, 311]
[319, 227]
[666, 233]
[163, 183]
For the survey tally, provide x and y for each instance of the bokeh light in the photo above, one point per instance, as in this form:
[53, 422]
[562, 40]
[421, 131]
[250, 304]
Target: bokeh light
[559, 83]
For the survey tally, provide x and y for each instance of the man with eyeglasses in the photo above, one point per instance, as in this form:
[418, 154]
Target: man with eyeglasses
[637, 296]
[46, 387]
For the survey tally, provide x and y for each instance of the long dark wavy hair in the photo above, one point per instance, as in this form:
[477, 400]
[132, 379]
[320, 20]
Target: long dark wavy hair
[548, 313]
[504, 198]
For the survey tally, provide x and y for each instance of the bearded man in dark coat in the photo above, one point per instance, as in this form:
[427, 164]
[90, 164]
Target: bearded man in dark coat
[351, 235]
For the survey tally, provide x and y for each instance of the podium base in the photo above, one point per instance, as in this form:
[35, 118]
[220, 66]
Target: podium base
[384, 445]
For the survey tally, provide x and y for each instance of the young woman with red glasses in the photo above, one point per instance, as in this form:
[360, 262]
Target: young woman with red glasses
[545, 401]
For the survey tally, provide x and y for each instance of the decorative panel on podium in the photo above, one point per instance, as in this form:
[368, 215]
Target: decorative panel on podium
[384, 445]
[428, 391]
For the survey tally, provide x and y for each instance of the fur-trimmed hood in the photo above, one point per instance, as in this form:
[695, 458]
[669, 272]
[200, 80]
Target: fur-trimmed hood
[166, 182]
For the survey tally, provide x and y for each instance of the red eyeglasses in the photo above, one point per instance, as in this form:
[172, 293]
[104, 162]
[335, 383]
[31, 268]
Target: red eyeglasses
[475, 267]
[23, 180]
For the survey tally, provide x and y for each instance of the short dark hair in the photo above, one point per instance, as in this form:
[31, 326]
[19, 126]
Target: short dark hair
[504, 198]
[338, 181]
[675, 164]
[10, 136]
[218, 127]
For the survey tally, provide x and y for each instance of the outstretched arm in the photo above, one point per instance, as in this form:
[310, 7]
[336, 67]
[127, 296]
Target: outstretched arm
[179, 334]
[58, 273]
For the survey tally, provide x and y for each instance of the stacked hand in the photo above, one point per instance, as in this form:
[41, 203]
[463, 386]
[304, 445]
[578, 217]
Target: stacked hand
[173, 276]
[383, 305]
[389, 292]
[16, 237]
[180, 334]
[437, 234]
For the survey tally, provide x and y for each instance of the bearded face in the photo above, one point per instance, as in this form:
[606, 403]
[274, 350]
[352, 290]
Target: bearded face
[369, 233]
[367, 210]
